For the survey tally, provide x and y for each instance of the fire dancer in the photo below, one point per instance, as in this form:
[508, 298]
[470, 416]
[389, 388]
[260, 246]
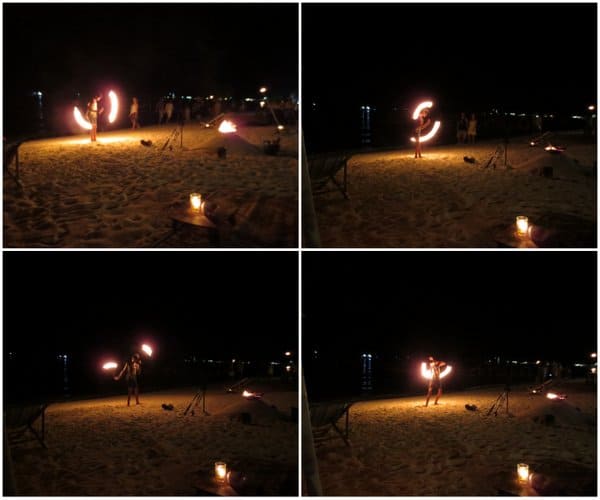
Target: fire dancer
[93, 111]
[132, 369]
[424, 122]
[435, 382]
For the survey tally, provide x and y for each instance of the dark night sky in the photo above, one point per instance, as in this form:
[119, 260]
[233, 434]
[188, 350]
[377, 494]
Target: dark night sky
[232, 303]
[462, 304]
[522, 56]
[189, 48]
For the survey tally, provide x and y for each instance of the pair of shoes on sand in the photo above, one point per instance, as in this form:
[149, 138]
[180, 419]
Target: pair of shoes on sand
[471, 407]
[146, 143]
[167, 407]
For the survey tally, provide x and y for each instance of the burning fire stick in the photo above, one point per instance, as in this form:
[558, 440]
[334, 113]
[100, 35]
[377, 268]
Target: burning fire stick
[111, 365]
[428, 374]
[436, 124]
[147, 349]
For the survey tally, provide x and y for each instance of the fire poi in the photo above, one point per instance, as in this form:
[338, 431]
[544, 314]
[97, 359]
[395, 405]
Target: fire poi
[428, 374]
[147, 349]
[111, 365]
[112, 116]
[434, 128]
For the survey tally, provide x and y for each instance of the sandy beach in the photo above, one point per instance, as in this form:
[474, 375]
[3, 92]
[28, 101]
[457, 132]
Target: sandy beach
[102, 447]
[401, 448]
[441, 201]
[116, 192]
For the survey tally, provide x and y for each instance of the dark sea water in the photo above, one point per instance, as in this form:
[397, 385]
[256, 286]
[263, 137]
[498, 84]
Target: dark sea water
[366, 376]
[64, 376]
[364, 127]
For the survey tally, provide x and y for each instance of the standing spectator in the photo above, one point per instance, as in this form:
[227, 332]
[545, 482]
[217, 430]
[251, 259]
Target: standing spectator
[160, 109]
[169, 107]
[461, 128]
[134, 113]
[472, 129]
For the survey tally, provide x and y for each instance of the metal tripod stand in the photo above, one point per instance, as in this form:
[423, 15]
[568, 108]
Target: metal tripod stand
[200, 395]
[500, 402]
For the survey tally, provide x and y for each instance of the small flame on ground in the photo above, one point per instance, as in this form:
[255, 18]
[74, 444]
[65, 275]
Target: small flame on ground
[227, 127]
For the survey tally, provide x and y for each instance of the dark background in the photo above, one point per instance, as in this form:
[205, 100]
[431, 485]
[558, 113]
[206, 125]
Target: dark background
[463, 307]
[513, 57]
[146, 50]
[97, 306]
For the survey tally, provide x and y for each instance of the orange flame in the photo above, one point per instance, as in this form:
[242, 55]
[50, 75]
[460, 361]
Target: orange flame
[436, 124]
[110, 365]
[114, 106]
[428, 374]
[227, 127]
[81, 121]
[147, 349]
[430, 134]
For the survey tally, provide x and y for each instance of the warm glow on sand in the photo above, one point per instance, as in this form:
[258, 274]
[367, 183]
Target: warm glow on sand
[227, 127]
[102, 140]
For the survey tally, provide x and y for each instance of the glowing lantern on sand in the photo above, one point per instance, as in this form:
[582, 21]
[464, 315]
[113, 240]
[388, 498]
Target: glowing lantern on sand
[522, 225]
[523, 472]
[220, 471]
[196, 201]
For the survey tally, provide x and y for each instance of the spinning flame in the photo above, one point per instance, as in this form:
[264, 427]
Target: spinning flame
[81, 121]
[428, 374]
[147, 349]
[436, 124]
[110, 365]
[551, 395]
[247, 394]
[421, 107]
[114, 106]
[227, 127]
[114, 109]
